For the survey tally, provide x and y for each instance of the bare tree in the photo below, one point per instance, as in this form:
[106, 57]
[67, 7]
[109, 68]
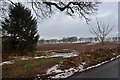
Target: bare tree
[45, 8]
[101, 31]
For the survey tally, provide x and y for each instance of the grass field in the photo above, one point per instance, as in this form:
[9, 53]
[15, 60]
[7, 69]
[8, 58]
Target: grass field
[29, 68]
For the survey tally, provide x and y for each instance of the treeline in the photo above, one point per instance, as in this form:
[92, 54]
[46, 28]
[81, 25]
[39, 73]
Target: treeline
[76, 39]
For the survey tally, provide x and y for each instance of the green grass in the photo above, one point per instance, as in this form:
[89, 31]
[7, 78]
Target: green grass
[20, 67]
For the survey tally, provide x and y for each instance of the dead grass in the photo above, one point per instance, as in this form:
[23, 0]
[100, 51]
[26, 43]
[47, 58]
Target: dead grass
[80, 47]
[91, 58]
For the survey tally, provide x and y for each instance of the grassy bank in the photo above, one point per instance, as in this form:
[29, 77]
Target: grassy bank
[90, 58]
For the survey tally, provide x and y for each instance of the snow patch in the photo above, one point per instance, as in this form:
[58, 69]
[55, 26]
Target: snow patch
[112, 58]
[25, 58]
[7, 62]
[55, 55]
[92, 43]
[83, 63]
[114, 54]
[54, 69]
[63, 74]
[118, 56]
[66, 74]
[64, 55]
[40, 57]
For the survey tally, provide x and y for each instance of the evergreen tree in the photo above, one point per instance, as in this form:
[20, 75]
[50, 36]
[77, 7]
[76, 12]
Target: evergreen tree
[20, 29]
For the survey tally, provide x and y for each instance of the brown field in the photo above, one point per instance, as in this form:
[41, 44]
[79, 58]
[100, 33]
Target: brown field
[80, 47]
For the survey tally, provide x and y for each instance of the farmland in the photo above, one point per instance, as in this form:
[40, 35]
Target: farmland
[80, 47]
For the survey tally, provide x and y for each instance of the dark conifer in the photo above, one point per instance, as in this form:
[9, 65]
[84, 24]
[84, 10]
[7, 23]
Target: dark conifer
[20, 28]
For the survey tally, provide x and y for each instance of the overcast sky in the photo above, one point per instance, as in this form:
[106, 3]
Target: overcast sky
[61, 25]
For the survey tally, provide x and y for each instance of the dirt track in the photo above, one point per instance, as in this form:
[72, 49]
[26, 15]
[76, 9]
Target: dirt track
[80, 47]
